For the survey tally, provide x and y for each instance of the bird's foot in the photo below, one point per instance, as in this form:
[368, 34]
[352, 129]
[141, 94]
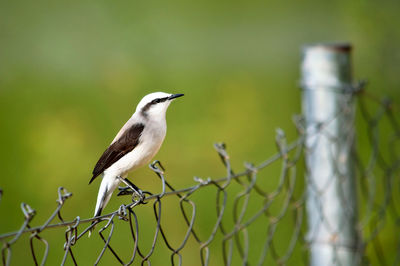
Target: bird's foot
[131, 189]
[137, 195]
[125, 191]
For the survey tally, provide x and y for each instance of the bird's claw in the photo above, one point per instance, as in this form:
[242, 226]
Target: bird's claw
[137, 196]
[124, 191]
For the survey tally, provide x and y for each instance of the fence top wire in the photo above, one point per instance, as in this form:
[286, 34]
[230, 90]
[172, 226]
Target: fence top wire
[234, 233]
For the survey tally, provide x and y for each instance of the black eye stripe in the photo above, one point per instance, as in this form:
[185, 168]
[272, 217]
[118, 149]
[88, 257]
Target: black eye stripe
[153, 102]
[159, 100]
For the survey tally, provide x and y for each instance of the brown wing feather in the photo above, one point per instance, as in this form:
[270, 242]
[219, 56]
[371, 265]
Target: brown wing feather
[125, 144]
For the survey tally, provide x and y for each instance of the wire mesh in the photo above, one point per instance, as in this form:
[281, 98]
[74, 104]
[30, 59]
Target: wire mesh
[255, 216]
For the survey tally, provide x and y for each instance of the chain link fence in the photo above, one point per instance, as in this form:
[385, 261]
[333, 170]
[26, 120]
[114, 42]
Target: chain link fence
[257, 216]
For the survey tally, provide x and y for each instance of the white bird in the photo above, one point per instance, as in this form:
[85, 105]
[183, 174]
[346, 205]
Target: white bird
[135, 145]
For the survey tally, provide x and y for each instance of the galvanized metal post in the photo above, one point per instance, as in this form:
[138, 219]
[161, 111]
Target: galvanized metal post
[331, 194]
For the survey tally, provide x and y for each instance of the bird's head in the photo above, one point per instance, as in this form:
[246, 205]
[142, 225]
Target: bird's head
[155, 104]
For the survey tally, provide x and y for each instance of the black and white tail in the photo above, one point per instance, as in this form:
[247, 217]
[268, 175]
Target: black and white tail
[107, 187]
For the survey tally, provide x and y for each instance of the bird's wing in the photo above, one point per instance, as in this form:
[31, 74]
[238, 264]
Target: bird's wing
[127, 141]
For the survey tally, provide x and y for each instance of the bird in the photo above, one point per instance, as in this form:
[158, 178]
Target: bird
[137, 142]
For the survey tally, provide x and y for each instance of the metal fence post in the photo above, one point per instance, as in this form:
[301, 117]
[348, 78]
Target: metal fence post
[331, 194]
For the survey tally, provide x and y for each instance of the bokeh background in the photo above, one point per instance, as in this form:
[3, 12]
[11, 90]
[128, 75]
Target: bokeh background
[72, 72]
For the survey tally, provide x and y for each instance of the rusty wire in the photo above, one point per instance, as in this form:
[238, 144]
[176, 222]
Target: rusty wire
[233, 227]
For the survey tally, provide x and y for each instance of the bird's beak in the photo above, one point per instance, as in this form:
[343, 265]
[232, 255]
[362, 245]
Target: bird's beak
[173, 96]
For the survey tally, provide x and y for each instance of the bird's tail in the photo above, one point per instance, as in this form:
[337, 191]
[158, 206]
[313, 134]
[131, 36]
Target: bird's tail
[107, 187]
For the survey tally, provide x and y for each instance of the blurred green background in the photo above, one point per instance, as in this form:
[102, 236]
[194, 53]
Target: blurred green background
[72, 72]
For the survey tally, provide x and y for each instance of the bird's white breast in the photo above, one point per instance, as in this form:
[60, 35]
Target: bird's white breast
[149, 144]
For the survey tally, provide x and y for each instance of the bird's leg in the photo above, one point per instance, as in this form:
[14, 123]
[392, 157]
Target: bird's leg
[130, 189]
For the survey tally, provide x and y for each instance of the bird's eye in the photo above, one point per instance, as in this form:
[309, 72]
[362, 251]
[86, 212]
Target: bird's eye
[156, 101]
